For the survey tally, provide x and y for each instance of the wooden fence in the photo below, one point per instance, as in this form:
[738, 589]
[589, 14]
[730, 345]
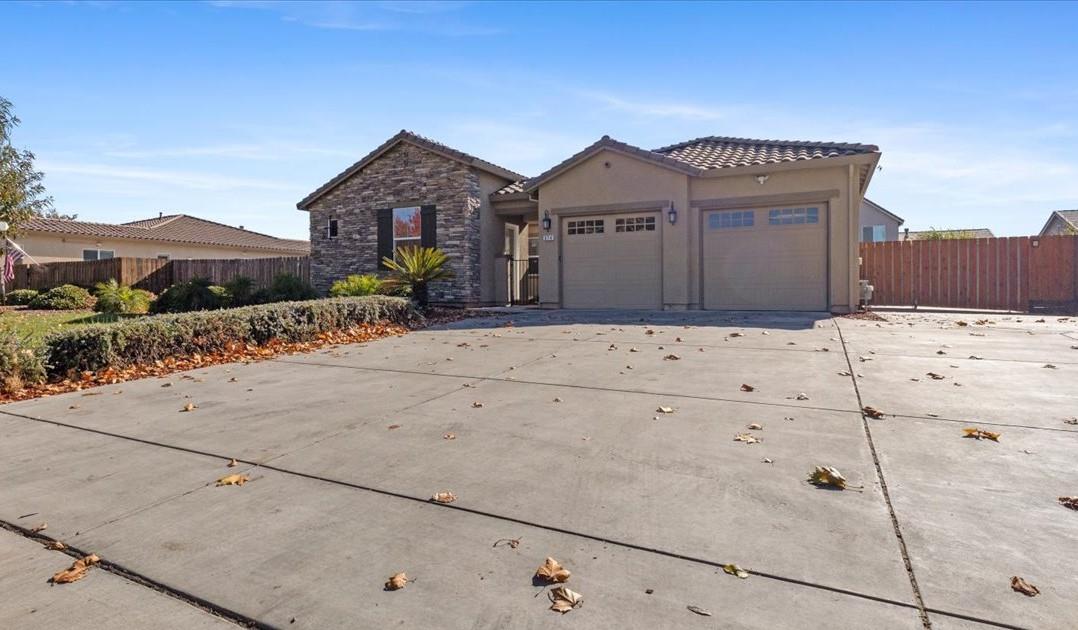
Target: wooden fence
[155, 274]
[1013, 273]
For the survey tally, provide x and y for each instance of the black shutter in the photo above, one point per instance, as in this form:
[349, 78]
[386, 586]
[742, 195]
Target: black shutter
[428, 226]
[385, 236]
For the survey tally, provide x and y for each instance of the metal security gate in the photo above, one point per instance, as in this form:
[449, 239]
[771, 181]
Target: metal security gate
[523, 280]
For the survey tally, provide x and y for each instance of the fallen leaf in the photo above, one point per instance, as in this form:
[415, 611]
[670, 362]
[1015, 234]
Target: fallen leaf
[755, 426]
[767, 460]
[392, 427]
[665, 410]
[1050, 366]
[397, 581]
[1021, 586]
[633, 350]
[700, 611]
[801, 396]
[166, 384]
[558, 400]
[563, 599]
[55, 545]
[189, 407]
[232, 463]
[872, 412]
[736, 334]
[1069, 502]
[40, 528]
[1071, 421]
[976, 358]
[747, 388]
[733, 569]
[444, 497]
[449, 436]
[477, 405]
[747, 438]
[671, 357]
[551, 571]
[961, 323]
[513, 543]
[843, 373]
[677, 339]
[935, 377]
[827, 476]
[76, 571]
[233, 480]
[980, 434]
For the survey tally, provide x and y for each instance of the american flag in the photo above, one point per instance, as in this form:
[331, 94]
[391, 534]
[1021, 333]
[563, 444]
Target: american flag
[14, 255]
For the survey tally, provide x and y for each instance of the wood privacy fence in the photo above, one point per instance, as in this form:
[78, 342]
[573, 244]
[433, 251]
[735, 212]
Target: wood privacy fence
[1020, 273]
[155, 274]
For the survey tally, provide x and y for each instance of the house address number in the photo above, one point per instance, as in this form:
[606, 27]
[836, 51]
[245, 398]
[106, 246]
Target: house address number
[548, 237]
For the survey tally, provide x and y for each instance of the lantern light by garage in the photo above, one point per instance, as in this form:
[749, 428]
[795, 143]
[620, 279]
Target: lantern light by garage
[671, 214]
[546, 221]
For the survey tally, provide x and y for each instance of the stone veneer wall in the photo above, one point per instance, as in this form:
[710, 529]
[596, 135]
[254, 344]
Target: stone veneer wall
[406, 175]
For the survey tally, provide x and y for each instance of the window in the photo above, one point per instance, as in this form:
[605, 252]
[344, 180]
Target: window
[533, 244]
[407, 228]
[732, 219]
[873, 233]
[97, 254]
[635, 224]
[586, 226]
[793, 216]
[331, 228]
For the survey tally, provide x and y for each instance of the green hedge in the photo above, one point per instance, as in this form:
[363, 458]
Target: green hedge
[148, 339]
[21, 297]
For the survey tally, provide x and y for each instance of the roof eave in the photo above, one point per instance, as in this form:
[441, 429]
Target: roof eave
[823, 162]
[607, 143]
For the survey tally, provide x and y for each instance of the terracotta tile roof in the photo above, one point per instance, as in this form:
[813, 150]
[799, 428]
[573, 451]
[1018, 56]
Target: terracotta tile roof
[725, 152]
[407, 136]
[174, 228]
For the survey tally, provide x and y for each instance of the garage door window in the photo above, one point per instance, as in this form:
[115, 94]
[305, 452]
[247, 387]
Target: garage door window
[793, 216]
[588, 226]
[635, 224]
[734, 219]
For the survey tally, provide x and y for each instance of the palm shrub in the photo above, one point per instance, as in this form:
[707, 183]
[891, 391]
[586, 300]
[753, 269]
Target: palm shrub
[417, 267]
[195, 295]
[116, 298]
[356, 286]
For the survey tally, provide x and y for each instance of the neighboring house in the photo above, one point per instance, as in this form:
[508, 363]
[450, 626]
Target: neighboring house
[878, 223]
[712, 223]
[1061, 223]
[166, 236]
[921, 235]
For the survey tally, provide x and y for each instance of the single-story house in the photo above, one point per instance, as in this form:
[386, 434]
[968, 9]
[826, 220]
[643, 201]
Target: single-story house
[920, 235]
[1061, 223]
[164, 236]
[878, 223]
[710, 223]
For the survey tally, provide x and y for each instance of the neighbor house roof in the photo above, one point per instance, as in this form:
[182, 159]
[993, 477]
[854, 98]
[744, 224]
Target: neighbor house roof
[959, 233]
[1069, 217]
[413, 138]
[174, 228]
[883, 210]
[698, 156]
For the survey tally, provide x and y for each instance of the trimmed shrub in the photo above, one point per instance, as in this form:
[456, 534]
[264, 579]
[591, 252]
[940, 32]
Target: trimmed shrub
[149, 339]
[356, 285]
[196, 295]
[21, 363]
[21, 297]
[289, 288]
[67, 297]
[116, 298]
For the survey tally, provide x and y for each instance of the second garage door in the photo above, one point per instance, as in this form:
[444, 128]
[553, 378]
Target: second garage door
[765, 259]
[612, 261]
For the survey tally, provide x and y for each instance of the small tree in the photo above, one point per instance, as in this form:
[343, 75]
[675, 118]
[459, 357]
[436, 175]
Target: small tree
[22, 193]
[417, 267]
[934, 234]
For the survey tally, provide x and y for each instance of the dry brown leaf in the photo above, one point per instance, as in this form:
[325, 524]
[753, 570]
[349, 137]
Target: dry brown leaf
[392, 427]
[700, 611]
[1050, 366]
[671, 357]
[1069, 502]
[477, 404]
[980, 434]
[55, 545]
[397, 581]
[747, 438]
[39, 528]
[444, 497]
[801, 396]
[755, 426]
[449, 436]
[232, 463]
[1021, 586]
[747, 388]
[563, 599]
[665, 410]
[827, 476]
[735, 570]
[233, 480]
[189, 407]
[552, 571]
[872, 412]
[513, 543]
[76, 571]
[736, 334]
[935, 377]
[634, 350]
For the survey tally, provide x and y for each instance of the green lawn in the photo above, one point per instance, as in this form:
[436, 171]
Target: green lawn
[34, 325]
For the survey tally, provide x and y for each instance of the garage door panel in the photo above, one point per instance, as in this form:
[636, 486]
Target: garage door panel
[750, 264]
[617, 267]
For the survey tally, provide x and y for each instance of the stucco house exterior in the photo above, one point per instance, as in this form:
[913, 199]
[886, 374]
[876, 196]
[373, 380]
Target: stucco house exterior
[1061, 223]
[878, 223]
[171, 236]
[711, 223]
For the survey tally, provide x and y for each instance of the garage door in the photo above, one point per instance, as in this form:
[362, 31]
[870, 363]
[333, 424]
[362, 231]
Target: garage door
[612, 261]
[765, 259]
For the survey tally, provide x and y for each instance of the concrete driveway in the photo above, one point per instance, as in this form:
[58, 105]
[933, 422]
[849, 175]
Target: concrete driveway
[557, 443]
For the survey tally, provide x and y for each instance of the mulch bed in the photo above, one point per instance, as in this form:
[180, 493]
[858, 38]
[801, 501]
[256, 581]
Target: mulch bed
[865, 315]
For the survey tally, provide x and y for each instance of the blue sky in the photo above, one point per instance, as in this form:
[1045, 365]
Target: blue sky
[235, 111]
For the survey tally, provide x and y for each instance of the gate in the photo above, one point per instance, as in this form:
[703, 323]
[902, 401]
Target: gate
[523, 280]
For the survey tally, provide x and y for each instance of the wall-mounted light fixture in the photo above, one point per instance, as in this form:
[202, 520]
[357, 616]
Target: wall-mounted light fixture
[761, 179]
[546, 221]
[671, 214]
